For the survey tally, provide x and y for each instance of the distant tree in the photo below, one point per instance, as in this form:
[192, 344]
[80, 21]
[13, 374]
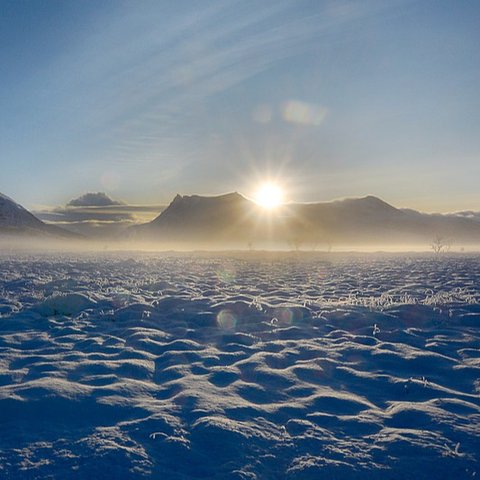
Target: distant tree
[329, 246]
[295, 243]
[440, 244]
[317, 241]
[313, 242]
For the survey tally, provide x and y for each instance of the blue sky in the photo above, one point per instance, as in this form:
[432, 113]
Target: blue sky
[333, 98]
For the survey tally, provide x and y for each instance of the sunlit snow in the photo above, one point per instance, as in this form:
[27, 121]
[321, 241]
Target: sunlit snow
[252, 366]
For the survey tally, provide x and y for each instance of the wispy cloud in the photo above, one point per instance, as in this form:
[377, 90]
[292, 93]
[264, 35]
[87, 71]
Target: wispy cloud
[146, 72]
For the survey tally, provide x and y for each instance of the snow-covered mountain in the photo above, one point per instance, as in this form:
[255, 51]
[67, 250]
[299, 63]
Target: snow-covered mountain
[16, 220]
[197, 216]
[234, 220]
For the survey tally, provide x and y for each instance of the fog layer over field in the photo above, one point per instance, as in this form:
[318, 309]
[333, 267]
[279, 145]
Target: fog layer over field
[267, 366]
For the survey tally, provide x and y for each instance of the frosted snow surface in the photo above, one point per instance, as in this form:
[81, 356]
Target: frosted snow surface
[261, 366]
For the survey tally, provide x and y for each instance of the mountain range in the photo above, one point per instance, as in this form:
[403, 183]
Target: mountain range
[234, 221]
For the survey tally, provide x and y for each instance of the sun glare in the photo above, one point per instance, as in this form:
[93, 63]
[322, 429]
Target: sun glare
[269, 195]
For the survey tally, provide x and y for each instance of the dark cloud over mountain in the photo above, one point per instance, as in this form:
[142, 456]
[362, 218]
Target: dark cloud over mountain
[92, 199]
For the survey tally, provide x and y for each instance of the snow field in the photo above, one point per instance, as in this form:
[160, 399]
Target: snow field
[216, 366]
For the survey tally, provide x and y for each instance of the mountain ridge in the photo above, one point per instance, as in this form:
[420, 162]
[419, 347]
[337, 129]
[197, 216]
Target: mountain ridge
[16, 220]
[234, 219]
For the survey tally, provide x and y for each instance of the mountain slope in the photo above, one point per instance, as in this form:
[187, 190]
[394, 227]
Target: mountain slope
[16, 220]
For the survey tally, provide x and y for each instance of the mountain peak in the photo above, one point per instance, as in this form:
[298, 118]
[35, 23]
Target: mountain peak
[193, 199]
[177, 199]
[372, 198]
[13, 215]
[370, 202]
[5, 197]
[15, 219]
[202, 210]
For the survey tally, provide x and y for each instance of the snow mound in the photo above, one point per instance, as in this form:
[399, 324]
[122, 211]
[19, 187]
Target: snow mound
[64, 304]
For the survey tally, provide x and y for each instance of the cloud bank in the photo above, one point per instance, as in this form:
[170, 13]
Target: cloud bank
[97, 214]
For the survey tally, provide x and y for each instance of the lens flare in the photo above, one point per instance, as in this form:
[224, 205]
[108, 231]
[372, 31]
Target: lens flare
[226, 275]
[303, 113]
[226, 320]
[284, 316]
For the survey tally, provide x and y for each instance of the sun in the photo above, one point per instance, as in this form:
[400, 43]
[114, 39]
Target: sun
[269, 195]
